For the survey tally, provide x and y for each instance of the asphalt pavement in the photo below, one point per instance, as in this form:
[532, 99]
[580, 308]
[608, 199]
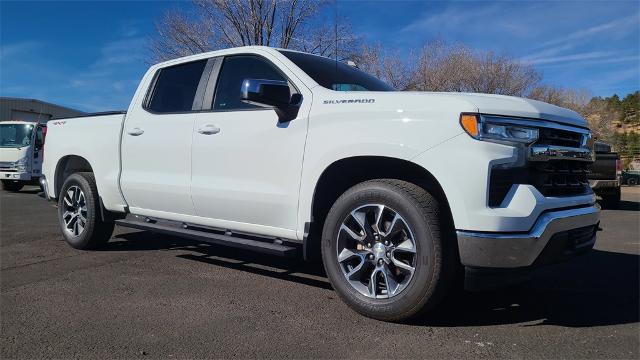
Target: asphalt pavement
[151, 296]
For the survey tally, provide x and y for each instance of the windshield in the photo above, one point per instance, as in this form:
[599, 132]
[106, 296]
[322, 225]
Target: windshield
[335, 75]
[15, 135]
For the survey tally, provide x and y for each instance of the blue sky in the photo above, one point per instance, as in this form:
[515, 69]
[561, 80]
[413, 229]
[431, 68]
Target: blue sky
[90, 55]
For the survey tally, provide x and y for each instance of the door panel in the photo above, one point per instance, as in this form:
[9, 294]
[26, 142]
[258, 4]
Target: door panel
[246, 165]
[156, 165]
[250, 170]
[157, 139]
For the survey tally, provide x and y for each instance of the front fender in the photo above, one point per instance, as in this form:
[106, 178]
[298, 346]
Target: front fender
[393, 133]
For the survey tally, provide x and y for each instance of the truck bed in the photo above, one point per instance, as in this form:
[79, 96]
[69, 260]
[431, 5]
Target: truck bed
[94, 138]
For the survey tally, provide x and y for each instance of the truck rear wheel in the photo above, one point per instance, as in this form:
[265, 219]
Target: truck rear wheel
[9, 185]
[385, 250]
[79, 213]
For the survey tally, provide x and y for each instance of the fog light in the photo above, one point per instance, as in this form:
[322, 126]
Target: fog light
[16, 176]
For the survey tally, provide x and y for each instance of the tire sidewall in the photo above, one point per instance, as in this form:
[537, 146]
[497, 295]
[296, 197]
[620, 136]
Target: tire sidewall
[414, 296]
[81, 241]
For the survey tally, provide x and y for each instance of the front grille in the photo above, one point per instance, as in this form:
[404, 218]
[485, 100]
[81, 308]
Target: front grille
[552, 178]
[557, 137]
[560, 177]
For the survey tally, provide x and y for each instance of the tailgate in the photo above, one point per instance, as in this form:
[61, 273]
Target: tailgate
[604, 168]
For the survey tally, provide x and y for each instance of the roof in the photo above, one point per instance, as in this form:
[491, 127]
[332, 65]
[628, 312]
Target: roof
[39, 101]
[17, 122]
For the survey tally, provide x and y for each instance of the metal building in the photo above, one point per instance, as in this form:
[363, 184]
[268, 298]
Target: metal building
[33, 110]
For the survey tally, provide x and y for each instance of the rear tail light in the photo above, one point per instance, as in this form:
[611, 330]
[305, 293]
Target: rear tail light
[618, 167]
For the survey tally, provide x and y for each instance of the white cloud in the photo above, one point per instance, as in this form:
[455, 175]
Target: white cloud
[123, 51]
[17, 49]
[626, 24]
[451, 17]
[560, 50]
[569, 57]
[108, 82]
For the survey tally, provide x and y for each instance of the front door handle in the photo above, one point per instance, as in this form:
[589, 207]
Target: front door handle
[135, 131]
[209, 129]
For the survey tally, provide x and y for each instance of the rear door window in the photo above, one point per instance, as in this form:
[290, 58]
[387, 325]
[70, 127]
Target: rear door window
[175, 88]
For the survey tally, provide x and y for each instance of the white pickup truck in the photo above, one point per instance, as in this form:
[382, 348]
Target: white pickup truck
[292, 154]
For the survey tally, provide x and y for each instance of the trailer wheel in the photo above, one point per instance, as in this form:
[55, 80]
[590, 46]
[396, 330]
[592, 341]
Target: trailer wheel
[79, 213]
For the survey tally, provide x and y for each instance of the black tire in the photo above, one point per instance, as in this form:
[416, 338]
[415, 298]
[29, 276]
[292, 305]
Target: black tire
[632, 181]
[95, 232]
[434, 262]
[612, 201]
[13, 186]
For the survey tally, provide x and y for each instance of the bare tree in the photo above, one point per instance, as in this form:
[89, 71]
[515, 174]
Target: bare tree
[437, 66]
[597, 111]
[601, 119]
[388, 66]
[443, 67]
[573, 99]
[178, 36]
[325, 38]
[215, 24]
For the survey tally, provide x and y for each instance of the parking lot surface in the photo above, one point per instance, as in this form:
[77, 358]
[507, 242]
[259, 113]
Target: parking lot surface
[153, 296]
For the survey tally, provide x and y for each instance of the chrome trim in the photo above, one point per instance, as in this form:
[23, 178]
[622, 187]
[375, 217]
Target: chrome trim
[536, 123]
[513, 250]
[553, 152]
[45, 187]
[597, 184]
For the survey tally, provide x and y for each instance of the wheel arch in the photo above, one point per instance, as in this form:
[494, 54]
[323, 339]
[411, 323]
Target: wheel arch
[347, 172]
[66, 166]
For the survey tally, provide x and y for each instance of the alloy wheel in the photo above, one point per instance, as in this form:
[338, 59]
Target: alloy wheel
[376, 251]
[75, 211]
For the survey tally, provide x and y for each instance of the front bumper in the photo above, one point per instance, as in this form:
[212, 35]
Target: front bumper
[564, 232]
[15, 176]
[599, 184]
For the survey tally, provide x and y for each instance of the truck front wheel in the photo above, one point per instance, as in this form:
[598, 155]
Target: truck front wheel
[79, 213]
[9, 185]
[386, 250]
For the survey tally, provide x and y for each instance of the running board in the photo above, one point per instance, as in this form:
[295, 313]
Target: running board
[270, 246]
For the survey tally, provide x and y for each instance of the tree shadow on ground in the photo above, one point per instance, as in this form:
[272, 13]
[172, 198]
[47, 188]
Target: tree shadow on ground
[597, 289]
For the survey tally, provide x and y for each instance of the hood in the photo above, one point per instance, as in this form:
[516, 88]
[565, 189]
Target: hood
[520, 107]
[12, 154]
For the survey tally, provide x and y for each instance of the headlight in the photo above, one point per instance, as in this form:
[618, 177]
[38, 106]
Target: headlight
[497, 130]
[21, 165]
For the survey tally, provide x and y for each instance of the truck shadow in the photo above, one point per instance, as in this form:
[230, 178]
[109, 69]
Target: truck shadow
[629, 205]
[597, 289]
[294, 270]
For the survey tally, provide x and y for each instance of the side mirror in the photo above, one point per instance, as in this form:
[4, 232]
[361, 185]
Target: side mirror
[272, 93]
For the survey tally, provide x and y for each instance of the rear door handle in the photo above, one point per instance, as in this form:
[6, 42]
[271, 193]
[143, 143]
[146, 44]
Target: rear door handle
[209, 129]
[135, 131]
